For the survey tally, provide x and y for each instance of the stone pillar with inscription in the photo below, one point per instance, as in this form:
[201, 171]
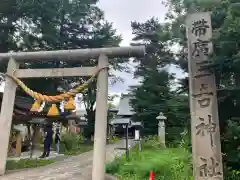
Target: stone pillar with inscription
[206, 145]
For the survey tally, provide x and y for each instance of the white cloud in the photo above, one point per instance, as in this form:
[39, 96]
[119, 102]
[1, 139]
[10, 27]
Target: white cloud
[122, 13]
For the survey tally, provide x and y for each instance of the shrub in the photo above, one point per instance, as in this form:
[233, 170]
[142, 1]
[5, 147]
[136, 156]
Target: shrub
[114, 166]
[185, 141]
[71, 141]
[231, 174]
[73, 144]
[150, 142]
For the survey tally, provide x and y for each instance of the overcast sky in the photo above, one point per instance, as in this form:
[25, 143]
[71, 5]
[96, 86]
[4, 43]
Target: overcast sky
[121, 13]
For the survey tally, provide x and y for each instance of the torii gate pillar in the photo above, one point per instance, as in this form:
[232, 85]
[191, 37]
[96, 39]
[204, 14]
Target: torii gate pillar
[103, 54]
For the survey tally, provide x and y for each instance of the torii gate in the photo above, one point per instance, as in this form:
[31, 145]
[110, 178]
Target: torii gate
[15, 59]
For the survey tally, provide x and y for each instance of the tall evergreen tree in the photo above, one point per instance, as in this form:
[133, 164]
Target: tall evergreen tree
[150, 98]
[156, 94]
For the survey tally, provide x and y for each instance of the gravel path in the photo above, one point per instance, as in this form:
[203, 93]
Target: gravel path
[74, 168]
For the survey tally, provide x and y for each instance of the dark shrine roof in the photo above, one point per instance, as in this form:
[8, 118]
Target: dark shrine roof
[23, 105]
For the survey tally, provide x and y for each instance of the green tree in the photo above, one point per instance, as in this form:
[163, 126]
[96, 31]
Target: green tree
[225, 62]
[150, 98]
[65, 25]
[154, 37]
[178, 117]
[53, 25]
[156, 94]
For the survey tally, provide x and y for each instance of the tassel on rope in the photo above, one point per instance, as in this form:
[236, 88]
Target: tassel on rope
[70, 105]
[53, 111]
[36, 106]
[42, 107]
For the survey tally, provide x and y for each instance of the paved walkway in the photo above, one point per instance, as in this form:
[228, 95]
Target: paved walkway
[74, 168]
[36, 154]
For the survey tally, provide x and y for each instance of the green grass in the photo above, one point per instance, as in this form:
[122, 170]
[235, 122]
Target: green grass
[27, 163]
[81, 149]
[168, 164]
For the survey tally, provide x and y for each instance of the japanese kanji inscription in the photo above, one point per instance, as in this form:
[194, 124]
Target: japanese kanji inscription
[199, 27]
[209, 168]
[200, 46]
[204, 97]
[206, 146]
[209, 128]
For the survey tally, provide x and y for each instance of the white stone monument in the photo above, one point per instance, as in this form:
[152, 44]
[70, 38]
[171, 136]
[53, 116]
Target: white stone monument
[206, 146]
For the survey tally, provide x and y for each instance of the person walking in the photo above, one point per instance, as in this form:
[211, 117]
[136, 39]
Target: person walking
[47, 141]
[57, 140]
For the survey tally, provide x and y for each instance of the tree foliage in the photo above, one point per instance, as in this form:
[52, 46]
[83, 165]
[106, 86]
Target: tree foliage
[34, 25]
[155, 94]
[54, 25]
[155, 38]
[151, 98]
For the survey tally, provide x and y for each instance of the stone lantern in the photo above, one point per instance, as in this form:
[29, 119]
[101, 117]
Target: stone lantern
[161, 127]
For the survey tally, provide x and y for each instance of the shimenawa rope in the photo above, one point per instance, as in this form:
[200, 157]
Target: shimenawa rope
[57, 98]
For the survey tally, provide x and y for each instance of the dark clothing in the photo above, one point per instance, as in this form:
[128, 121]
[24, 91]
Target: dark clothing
[47, 148]
[47, 141]
[49, 135]
[57, 138]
